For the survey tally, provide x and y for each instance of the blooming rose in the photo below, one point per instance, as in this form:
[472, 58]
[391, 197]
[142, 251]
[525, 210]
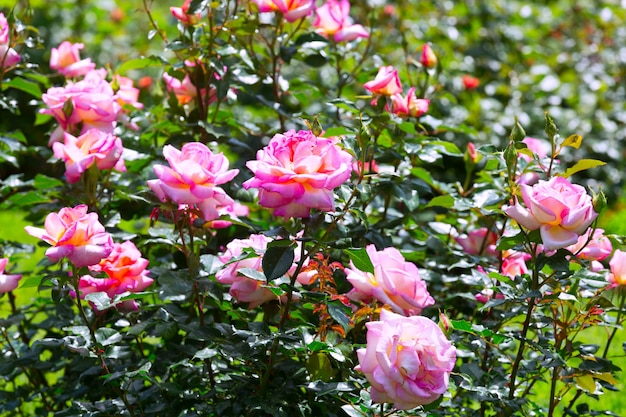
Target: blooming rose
[617, 276]
[332, 19]
[592, 248]
[562, 211]
[514, 263]
[8, 55]
[126, 93]
[407, 360]
[428, 58]
[487, 294]
[75, 234]
[394, 282]
[126, 272]
[185, 90]
[7, 282]
[479, 242]
[243, 288]
[540, 149]
[192, 178]
[93, 147]
[90, 101]
[408, 105]
[66, 59]
[387, 82]
[182, 14]
[292, 10]
[297, 172]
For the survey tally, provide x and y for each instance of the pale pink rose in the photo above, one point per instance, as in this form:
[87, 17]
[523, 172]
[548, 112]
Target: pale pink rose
[428, 58]
[487, 294]
[514, 263]
[297, 172]
[8, 57]
[386, 83]
[541, 149]
[126, 272]
[562, 211]
[617, 276]
[333, 20]
[243, 288]
[395, 282]
[182, 14]
[234, 211]
[192, 177]
[126, 92]
[66, 60]
[89, 103]
[185, 91]
[407, 360]
[75, 234]
[479, 242]
[368, 167]
[7, 282]
[592, 248]
[292, 10]
[93, 147]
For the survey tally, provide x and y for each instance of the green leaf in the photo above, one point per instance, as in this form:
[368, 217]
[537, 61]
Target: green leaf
[338, 311]
[320, 367]
[107, 336]
[23, 85]
[252, 274]
[361, 259]
[206, 353]
[278, 259]
[582, 165]
[138, 63]
[46, 183]
[462, 325]
[445, 201]
[573, 141]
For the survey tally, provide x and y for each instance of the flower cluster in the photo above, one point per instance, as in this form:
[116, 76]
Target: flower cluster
[387, 83]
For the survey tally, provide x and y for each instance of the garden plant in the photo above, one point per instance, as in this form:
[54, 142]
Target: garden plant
[312, 208]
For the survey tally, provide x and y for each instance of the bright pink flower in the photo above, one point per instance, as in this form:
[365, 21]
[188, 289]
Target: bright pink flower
[8, 56]
[245, 289]
[428, 58]
[395, 282]
[90, 102]
[561, 210]
[297, 172]
[126, 93]
[332, 19]
[75, 234]
[66, 59]
[369, 167]
[479, 242]
[407, 360]
[5, 30]
[487, 294]
[126, 272]
[540, 149]
[592, 248]
[182, 14]
[93, 147]
[192, 178]
[408, 105]
[386, 83]
[292, 10]
[185, 91]
[514, 263]
[7, 282]
[234, 210]
[470, 82]
[617, 276]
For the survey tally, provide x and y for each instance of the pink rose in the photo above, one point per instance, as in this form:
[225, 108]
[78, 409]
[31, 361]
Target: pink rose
[186, 92]
[93, 147]
[292, 10]
[245, 289]
[297, 172]
[332, 20]
[386, 83]
[75, 234]
[514, 263]
[428, 58]
[4, 30]
[66, 60]
[126, 93]
[479, 242]
[592, 248]
[487, 294]
[540, 149]
[408, 105]
[617, 276]
[562, 211]
[234, 211]
[395, 282]
[126, 272]
[90, 102]
[8, 56]
[470, 82]
[7, 282]
[407, 360]
[182, 14]
[192, 178]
